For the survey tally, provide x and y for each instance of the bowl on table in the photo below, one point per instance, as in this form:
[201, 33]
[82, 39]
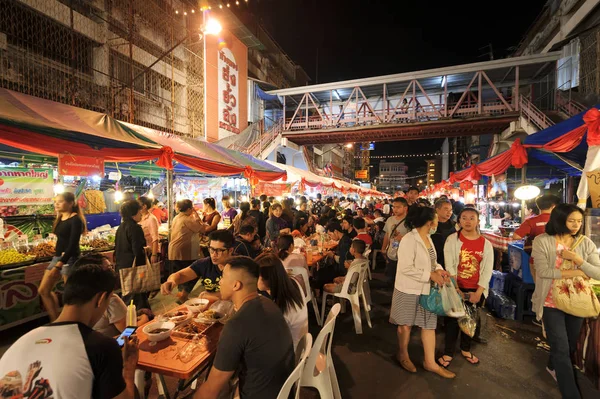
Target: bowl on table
[197, 304]
[159, 330]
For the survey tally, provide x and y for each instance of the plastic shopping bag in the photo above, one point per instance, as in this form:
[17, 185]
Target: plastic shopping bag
[451, 301]
[468, 323]
[433, 301]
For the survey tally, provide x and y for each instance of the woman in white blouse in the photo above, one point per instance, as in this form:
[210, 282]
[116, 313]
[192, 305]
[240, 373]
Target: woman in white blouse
[286, 293]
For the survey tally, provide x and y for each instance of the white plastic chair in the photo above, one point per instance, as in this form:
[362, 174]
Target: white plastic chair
[366, 255]
[319, 371]
[302, 352]
[308, 293]
[356, 275]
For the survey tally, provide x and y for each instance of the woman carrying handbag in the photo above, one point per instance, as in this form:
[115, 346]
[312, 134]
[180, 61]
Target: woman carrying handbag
[564, 257]
[129, 248]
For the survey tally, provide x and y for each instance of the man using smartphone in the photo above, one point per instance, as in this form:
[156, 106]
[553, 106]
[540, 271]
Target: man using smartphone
[67, 358]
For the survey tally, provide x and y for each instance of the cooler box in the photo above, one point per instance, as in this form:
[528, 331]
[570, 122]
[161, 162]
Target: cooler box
[503, 306]
[518, 260]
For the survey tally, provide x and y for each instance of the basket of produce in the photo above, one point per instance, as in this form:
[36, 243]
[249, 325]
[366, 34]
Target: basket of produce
[12, 257]
[85, 248]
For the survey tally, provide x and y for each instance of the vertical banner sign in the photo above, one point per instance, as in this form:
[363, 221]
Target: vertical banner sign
[229, 93]
[24, 186]
[75, 165]
[226, 73]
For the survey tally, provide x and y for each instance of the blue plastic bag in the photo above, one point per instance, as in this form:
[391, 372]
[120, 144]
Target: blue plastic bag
[433, 301]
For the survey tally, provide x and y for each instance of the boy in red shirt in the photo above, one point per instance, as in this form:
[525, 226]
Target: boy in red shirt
[360, 227]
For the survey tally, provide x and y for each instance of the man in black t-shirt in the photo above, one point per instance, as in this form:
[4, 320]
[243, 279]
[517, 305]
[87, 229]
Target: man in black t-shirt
[256, 340]
[446, 227]
[209, 270]
[67, 358]
[259, 217]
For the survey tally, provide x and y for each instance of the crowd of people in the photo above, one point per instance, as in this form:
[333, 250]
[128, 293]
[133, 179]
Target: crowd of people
[246, 262]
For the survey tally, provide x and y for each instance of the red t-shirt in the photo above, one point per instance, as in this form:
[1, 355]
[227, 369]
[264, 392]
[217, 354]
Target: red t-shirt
[532, 228]
[469, 263]
[365, 237]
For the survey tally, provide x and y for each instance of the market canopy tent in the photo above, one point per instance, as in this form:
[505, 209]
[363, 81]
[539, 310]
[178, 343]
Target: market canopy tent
[306, 178]
[46, 127]
[564, 145]
[209, 158]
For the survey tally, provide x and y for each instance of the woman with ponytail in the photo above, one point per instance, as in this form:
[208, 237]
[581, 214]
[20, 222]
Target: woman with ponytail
[68, 227]
[285, 252]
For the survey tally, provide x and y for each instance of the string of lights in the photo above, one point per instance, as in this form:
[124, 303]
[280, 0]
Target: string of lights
[204, 8]
[433, 154]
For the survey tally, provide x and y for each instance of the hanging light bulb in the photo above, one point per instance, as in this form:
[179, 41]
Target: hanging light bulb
[220, 5]
[237, 3]
[118, 196]
[193, 11]
[228, 5]
[59, 189]
[150, 194]
[176, 11]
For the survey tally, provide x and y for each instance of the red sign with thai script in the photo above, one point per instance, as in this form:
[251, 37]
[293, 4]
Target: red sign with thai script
[75, 165]
[270, 189]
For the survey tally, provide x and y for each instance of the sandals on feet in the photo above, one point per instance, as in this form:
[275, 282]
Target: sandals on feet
[445, 361]
[471, 358]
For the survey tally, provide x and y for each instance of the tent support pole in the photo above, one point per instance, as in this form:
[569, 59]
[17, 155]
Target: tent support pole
[523, 182]
[170, 203]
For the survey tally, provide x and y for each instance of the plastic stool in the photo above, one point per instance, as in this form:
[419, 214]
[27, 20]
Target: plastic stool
[521, 293]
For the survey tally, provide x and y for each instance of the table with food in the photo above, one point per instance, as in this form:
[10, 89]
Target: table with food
[181, 343]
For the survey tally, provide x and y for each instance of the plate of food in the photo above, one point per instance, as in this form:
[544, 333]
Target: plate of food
[190, 328]
[196, 305]
[220, 311]
[178, 316]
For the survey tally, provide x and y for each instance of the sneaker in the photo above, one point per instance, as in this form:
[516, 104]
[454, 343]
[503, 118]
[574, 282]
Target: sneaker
[552, 373]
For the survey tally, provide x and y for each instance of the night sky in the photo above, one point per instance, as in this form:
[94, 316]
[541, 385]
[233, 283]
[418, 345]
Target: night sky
[358, 39]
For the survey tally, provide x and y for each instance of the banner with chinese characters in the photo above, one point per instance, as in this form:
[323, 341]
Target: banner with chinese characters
[26, 186]
[271, 189]
[226, 86]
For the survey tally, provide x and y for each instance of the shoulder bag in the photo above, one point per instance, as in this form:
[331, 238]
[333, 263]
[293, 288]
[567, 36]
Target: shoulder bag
[138, 279]
[574, 295]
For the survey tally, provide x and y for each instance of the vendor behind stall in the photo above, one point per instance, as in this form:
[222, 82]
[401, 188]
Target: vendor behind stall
[536, 225]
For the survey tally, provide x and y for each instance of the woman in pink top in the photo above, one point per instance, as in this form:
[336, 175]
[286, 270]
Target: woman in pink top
[285, 247]
[150, 225]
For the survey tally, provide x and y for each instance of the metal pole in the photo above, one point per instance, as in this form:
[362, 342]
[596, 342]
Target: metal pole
[204, 122]
[516, 88]
[170, 202]
[523, 182]
[131, 76]
[479, 95]
[446, 97]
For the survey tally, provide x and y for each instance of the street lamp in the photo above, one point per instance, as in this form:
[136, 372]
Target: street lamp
[212, 27]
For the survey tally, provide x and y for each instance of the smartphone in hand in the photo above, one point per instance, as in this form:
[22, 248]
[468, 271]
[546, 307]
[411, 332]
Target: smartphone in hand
[127, 332]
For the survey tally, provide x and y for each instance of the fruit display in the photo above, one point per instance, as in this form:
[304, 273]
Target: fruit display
[85, 248]
[12, 256]
[43, 250]
[22, 210]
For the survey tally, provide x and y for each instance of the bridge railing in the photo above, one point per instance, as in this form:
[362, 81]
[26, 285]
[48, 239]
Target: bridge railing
[409, 114]
[533, 115]
[568, 106]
